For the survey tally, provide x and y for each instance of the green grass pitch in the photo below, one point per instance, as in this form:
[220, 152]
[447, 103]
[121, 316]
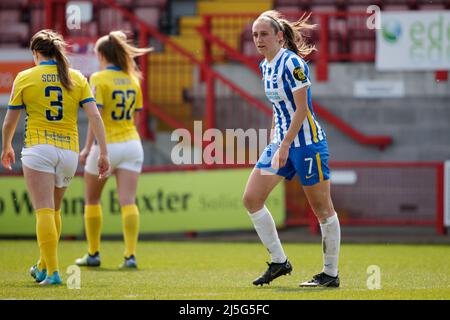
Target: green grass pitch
[194, 270]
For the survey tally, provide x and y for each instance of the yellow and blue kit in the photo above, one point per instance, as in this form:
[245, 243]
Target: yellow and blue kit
[119, 95]
[52, 110]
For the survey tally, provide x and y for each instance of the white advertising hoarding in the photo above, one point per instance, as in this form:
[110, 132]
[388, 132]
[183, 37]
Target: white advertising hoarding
[413, 41]
[378, 89]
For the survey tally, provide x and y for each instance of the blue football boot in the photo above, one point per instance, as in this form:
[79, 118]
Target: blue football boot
[54, 279]
[38, 275]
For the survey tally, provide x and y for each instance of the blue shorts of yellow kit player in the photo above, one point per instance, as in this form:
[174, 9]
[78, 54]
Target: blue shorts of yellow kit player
[310, 162]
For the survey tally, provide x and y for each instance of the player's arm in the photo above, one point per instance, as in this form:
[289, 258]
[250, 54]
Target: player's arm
[301, 103]
[9, 127]
[98, 128]
[137, 118]
[139, 107]
[88, 144]
[12, 117]
[272, 128]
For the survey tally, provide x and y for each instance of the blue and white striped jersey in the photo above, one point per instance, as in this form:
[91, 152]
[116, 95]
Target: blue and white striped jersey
[282, 76]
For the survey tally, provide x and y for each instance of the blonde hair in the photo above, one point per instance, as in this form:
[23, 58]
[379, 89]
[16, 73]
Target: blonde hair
[115, 48]
[51, 44]
[293, 32]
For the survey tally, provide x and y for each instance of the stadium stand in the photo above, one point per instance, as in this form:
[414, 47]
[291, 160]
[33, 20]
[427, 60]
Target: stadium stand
[347, 39]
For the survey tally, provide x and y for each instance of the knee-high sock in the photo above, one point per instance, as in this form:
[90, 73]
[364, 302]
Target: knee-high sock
[47, 238]
[267, 232]
[93, 220]
[130, 224]
[331, 241]
[41, 263]
[58, 222]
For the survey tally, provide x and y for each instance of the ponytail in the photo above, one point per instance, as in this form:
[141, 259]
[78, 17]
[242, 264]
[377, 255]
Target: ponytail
[116, 50]
[299, 27]
[51, 44]
[289, 36]
[62, 64]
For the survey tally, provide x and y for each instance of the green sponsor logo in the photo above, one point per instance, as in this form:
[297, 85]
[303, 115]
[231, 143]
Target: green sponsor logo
[430, 40]
[391, 31]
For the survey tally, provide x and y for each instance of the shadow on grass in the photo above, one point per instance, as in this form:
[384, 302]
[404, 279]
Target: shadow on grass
[63, 285]
[286, 289]
[103, 269]
[37, 285]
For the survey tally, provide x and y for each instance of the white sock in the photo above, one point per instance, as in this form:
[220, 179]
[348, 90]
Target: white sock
[331, 241]
[267, 232]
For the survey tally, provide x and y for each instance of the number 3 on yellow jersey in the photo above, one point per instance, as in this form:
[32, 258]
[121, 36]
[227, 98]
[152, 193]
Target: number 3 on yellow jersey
[54, 103]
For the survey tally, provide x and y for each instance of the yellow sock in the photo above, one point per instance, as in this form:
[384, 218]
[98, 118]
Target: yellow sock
[58, 222]
[93, 223]
[130, 224]
[47, 238]
[41, 263]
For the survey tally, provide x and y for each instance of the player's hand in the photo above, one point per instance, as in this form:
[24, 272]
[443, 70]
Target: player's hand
[103, 166]
[83, 156]
[8, 156]
[280, 157]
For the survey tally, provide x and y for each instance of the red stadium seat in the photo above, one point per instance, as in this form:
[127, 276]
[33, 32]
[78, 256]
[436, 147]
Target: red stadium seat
[148, 15]
[37, 20]
[151, 3]
[279, 3]
[124, 2]
[289, 5]
[247, 46]
[430, 7]
[323, 8]
[357, 8]
[16, 33]
[395, 7]
[13, 4]
[249, 49]
[110, 20]
[288, 8]
[9, 16]
[88, 29]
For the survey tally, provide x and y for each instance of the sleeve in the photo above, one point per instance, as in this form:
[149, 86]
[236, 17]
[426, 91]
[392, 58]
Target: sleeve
[16, 100]
[97, 90]
[296, 72]
[139, 100]
[86, 93]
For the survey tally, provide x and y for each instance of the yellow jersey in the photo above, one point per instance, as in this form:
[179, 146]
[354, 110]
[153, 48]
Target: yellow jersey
[119, 96]
[52, 110]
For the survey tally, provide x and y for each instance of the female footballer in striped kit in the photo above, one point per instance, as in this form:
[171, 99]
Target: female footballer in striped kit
[298, 146]
[51, 94]
[119, 96]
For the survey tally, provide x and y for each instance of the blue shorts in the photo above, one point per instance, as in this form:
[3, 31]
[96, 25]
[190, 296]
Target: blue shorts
[309, 162]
